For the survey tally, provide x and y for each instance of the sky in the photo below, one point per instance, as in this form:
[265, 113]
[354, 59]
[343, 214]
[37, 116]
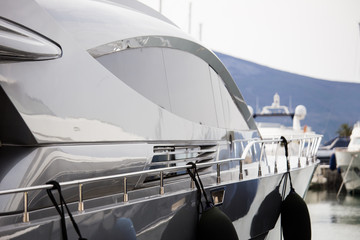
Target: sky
[315, 38]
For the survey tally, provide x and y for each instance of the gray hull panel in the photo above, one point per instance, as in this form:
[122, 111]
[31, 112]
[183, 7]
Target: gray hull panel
[169, 216]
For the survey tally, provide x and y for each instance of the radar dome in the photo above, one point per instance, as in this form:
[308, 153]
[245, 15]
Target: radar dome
[300, 112]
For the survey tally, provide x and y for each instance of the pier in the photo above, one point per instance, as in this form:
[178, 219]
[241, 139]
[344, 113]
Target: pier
[326, 179]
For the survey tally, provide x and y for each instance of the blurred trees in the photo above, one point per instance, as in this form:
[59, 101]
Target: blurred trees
[344, 130]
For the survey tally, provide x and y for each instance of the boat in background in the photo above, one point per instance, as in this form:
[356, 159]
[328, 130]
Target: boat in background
[328, 149]
[348, 160]
[273, 128]
[116, 104]
[270, 125]
[274, 123]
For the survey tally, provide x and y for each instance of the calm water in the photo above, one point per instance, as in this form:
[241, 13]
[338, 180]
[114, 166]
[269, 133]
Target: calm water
[332, 219]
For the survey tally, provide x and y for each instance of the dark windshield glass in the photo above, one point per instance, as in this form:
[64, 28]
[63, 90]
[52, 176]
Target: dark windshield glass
[342, 142]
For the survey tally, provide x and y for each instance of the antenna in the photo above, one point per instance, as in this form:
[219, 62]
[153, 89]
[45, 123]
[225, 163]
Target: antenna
[189, 17]
[160, 6]
[358, 52]
[200, 31]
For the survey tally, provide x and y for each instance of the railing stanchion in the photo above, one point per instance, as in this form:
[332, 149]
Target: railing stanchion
[81, 202]
[126, 197]
[192, 180]
[314, 143]
[276, 156]
[299, 155]
[218, 179]
[259, 171]
[308, 150]
[162, 190]
[241, 175]
[26, 217]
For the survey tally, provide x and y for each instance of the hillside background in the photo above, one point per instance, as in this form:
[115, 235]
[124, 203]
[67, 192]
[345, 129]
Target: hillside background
[329, 104]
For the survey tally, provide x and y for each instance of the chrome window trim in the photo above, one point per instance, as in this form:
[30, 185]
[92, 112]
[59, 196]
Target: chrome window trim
[184, 45]
[19, 43]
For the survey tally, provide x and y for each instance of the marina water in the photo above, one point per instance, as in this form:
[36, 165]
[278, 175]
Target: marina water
[332, 218]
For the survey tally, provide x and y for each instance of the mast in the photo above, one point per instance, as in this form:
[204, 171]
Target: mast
[200, 31]
[189, 28]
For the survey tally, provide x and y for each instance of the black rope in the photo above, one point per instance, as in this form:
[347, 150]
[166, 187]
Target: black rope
[281, 179]
[283, 191]
[286, 175]
[193, 177]
[291, 186]
[56, 186]
[284, 141]
[285, 146]
[199, 185]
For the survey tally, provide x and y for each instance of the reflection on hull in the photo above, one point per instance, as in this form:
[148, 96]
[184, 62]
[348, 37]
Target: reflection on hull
[152, 222]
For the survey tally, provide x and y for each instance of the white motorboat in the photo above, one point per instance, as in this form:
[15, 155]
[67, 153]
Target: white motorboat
[328, 148]
[271, 124]
[348, 160]
[274, 128]
[112, 102]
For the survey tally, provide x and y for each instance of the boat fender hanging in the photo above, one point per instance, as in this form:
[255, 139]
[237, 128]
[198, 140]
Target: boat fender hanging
[187, 217]
[295, 218]
[332, 162]
[213, 224]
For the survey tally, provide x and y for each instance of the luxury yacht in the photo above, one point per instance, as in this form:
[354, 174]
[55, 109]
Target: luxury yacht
[269, 124]
[278, 120]
[109, 109]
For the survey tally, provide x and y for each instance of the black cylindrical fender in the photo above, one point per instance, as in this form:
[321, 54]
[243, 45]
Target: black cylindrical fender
[215, 224]
[295, 218]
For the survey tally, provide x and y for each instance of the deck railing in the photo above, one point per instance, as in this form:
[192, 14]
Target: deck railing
[307, 148]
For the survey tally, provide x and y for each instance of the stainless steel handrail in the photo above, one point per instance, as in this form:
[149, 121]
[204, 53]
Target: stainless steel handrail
[312, 146]
[167, 169]
[160, 171]
[80, 183]
[269, 140]
[166, 152]
[110, 177]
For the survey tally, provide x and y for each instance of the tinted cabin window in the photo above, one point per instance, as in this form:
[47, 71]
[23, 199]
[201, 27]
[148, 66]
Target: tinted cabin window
[143, 70]
[190, 90]
[232, 116]
[218, 99]
[179, 82]
[342, 143]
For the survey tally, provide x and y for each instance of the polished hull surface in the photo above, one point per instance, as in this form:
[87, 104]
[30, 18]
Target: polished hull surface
[152, 218]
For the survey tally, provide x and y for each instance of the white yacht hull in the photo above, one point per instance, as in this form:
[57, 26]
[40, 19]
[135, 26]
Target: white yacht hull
[349, 163]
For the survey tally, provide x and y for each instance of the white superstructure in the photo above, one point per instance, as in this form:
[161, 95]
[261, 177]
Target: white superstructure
[274, 129]
[348, 159]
